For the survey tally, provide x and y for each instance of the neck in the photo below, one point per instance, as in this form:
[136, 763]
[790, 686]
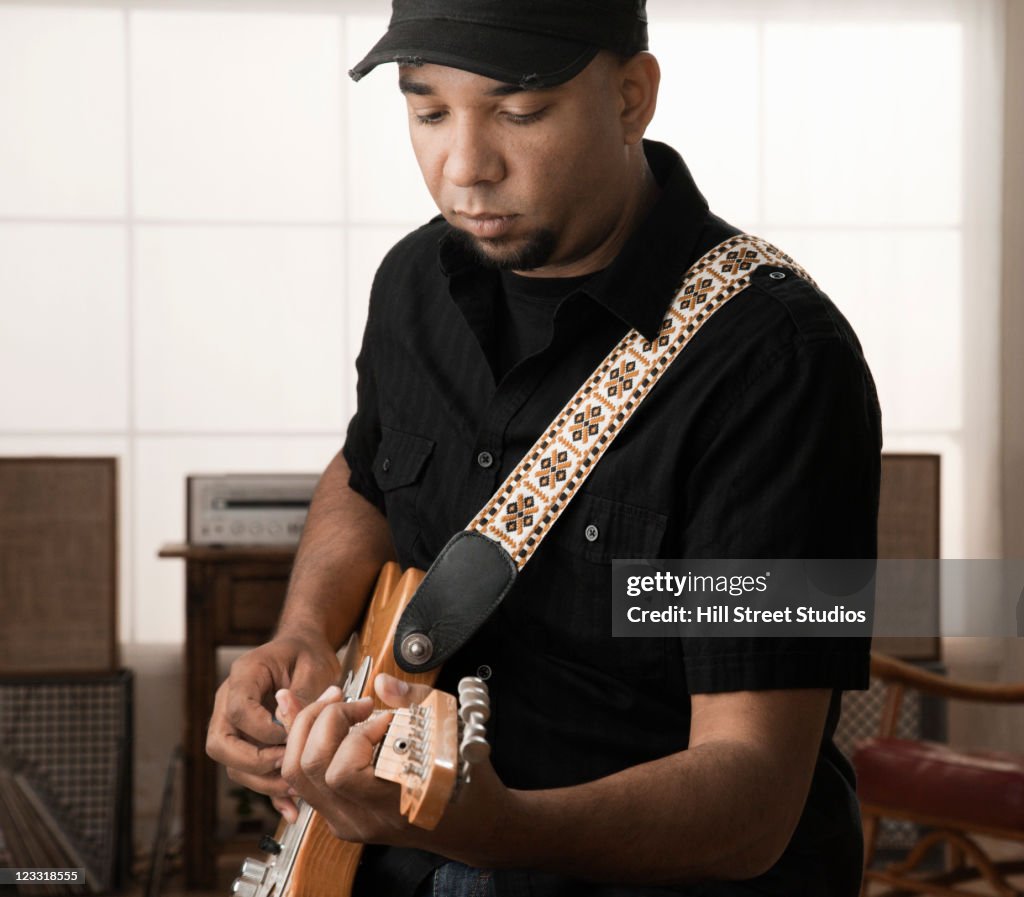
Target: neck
[641, 193]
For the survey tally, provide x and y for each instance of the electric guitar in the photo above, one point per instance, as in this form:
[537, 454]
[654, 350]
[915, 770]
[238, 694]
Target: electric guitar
[428, 750]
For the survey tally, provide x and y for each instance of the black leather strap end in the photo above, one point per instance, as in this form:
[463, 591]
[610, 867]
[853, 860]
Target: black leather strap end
[462, 588]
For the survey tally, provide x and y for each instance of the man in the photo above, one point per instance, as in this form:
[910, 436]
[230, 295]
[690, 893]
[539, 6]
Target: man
[620, 766]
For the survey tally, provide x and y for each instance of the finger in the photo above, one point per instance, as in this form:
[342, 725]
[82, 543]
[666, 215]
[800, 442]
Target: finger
[298, 735]
[355, 753]
[397, 693]
[288, 707]
[328, 732]
[235, 752]
[244, 710]
[227, 745]
[287, 808]
[273, 786]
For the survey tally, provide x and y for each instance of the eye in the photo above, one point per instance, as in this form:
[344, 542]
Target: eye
[525, 118]
[429, 118]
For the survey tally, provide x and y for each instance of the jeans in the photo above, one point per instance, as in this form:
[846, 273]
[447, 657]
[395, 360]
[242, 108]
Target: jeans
[456, 880]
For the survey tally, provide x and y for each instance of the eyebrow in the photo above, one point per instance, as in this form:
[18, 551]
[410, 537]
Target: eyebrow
[420, 89]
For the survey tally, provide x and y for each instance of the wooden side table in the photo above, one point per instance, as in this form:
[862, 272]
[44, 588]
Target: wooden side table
[233, 597]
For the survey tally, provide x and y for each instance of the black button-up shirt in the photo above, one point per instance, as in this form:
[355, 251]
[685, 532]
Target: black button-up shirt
[762, 440]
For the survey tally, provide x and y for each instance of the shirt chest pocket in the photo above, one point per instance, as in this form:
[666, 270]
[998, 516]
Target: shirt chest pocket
[398, 468]
[599, 530]
[577, 565]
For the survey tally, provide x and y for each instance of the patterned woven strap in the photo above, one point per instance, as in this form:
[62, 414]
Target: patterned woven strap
[529, 502]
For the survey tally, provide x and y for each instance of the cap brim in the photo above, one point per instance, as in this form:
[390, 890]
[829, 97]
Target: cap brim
[514, 57]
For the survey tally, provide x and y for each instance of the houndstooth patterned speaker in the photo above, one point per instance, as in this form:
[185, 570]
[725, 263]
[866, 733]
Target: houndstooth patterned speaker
[65, 776]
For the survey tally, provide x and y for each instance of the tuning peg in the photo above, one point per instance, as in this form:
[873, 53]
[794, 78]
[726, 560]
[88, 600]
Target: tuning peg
[474, 711]
[474, 700]
[475, 748]
[472, 682]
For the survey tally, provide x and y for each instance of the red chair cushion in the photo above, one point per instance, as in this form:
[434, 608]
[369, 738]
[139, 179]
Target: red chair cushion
[983, 788]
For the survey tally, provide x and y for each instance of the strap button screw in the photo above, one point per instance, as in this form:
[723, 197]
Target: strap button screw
[417, 648]
[592, 533]
[385, 465]
[485, 459]
[777, 275]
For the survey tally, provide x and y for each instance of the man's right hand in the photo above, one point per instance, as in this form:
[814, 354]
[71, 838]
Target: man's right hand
[243, 733]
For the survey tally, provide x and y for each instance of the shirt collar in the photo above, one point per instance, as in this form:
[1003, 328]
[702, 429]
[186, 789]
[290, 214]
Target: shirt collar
[638, 286]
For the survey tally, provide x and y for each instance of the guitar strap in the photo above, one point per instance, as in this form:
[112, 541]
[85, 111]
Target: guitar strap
[480, 563]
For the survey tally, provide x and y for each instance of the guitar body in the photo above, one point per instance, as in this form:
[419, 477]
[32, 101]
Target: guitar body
[314, 863]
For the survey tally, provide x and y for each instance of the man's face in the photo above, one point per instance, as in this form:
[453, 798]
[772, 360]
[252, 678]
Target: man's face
[532, 179]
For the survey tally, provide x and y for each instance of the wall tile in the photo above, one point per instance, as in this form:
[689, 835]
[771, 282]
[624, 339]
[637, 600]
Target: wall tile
[863, 124]
[63, 327]
[236, 115]
[62, 111]
[239, 329]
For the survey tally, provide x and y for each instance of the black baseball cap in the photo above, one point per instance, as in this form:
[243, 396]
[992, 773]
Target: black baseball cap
[533, 43]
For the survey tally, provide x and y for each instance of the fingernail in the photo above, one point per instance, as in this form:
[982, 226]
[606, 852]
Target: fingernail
[281, 695]
[279, 763]
[384, 680]
[329, 692]
[292, 792]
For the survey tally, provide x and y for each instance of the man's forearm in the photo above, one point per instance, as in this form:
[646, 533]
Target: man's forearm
[724, 808]
[344, 543]
[710, 813]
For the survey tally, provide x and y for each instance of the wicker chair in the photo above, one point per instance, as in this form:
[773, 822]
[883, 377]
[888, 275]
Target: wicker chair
[951, 794]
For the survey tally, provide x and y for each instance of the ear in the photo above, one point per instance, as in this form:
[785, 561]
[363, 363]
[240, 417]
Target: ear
[639, 77]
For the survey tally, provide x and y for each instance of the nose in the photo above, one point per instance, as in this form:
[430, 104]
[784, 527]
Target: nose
[472, 157]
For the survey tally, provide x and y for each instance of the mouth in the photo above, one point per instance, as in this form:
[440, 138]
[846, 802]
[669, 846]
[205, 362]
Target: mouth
[486, 225]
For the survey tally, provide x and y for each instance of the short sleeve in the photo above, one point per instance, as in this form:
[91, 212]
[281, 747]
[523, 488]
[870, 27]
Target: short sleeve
[791, 470]
[364, 429]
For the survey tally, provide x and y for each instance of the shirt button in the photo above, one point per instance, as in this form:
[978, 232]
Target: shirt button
[777, 275]
[385, 465]
[485, 459]
[592, 533]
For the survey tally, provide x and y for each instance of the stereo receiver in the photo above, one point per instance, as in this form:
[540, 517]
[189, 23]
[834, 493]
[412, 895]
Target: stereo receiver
[249, 508]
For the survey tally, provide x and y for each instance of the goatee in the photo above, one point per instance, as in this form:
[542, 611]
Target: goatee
[532, 252]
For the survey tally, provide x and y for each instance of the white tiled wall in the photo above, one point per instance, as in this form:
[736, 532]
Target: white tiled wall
[193, 202]
[62, 112]
[237, 116]
[63, 327]
[239, 329]
[863, 124]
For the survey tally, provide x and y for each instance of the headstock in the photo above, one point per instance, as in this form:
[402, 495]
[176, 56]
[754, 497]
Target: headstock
[422, 751]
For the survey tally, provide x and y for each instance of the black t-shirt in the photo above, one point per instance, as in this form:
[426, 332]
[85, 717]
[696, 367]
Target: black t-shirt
[761, 441]
[525, 311]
